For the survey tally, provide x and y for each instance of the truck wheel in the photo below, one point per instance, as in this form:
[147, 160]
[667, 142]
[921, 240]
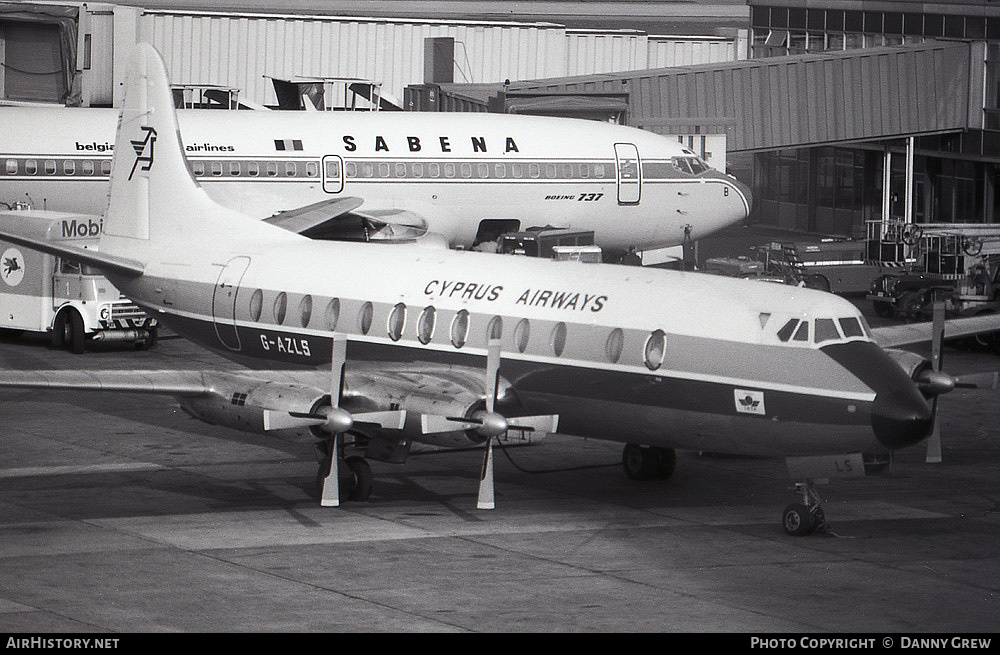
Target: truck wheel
[72, 331]
[882, 308]
[58, 333]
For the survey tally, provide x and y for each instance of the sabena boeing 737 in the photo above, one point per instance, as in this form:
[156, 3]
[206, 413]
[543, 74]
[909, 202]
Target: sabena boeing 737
[464, 176]
[660, 360]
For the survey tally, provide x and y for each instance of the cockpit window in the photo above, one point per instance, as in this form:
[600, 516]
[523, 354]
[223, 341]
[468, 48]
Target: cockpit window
[802, 334]
[826, 330]
[691, 165]
[851, 327]
[785, 333]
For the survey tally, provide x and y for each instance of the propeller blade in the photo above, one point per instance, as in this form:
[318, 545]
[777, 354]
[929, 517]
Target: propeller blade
[988, 380]
[486, 500]
[330, 496]
[435, 423]
[338, 360]
[937, 338]
[279, 420]
[934, 441]
[391, 419]
[492, 373]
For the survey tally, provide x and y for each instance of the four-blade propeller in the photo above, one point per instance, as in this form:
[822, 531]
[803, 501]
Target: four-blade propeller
[333, 419]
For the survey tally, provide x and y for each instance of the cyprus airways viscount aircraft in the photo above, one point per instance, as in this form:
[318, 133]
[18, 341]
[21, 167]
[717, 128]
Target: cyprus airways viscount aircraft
[660, 360]
[464, 176]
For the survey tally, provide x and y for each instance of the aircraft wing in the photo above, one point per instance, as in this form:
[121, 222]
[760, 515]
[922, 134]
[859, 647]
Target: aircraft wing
[311, 216]
[339, 218]
[171, 383]
[894, 336]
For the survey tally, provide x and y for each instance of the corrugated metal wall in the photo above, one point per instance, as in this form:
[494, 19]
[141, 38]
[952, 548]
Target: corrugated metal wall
[237, 50]
[807, 99]
[665, 51]
[604, 51]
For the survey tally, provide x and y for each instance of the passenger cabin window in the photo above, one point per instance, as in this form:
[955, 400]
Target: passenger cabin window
[656, 348]
[332, 314]
[615, 344]
[365, 317]
[425, 325]
[280, 307]
[495, 328]
[522, 332]
[256, 304]
[559, 339]
[397, 321]
[460, 328]
[305, 310]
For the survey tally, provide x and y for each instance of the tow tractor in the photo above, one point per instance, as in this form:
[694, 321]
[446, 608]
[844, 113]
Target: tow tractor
[958, 264]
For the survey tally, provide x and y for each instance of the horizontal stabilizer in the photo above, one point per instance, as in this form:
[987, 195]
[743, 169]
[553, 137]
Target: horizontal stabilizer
[25, 230]
[310, 216]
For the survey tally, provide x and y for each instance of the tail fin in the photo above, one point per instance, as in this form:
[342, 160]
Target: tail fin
[154, 199]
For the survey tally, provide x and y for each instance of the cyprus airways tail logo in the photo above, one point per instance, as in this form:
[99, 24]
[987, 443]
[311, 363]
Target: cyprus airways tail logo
[141, 154]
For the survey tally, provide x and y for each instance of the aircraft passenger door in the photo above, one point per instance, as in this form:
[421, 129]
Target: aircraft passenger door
[224, 301]
[629, 180]
[333, 174]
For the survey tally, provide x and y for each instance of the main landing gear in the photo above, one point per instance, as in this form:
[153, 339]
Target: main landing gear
[648, 462]
[805, 517]
[354, 473]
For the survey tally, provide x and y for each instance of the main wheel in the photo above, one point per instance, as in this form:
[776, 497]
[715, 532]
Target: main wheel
[797, 520]
[648, 463]
[360, 486]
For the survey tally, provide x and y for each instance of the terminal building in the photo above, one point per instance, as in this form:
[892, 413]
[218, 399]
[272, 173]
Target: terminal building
[837, 111]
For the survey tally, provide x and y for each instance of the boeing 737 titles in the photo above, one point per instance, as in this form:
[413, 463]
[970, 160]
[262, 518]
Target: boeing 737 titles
[467, 177]
[660, 360]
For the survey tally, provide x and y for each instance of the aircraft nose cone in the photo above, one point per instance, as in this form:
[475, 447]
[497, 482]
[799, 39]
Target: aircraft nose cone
[745, 190]
[901, 418]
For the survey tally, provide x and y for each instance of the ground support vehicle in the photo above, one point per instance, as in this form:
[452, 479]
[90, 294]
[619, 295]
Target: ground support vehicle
[69, 301]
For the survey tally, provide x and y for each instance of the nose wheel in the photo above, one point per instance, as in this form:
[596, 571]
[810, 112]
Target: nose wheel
[805, 517]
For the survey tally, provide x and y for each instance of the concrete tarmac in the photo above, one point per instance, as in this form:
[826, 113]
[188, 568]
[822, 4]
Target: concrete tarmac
[118, 513]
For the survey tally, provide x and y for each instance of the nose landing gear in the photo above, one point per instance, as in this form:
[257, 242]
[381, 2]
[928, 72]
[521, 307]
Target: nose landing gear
[805, 517]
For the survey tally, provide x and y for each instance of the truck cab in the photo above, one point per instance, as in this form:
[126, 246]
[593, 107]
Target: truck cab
[70, 301]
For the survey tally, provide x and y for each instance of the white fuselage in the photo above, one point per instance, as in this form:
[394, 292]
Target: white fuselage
[463, 176]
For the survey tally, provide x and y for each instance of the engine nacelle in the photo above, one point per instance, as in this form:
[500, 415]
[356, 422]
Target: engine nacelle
[912, 363]
[239, 404]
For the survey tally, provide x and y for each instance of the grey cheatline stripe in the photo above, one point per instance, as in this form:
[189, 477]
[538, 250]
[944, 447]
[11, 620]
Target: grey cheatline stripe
[592, 364]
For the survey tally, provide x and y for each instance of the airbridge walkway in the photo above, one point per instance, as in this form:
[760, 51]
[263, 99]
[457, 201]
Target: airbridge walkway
[807, 100]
